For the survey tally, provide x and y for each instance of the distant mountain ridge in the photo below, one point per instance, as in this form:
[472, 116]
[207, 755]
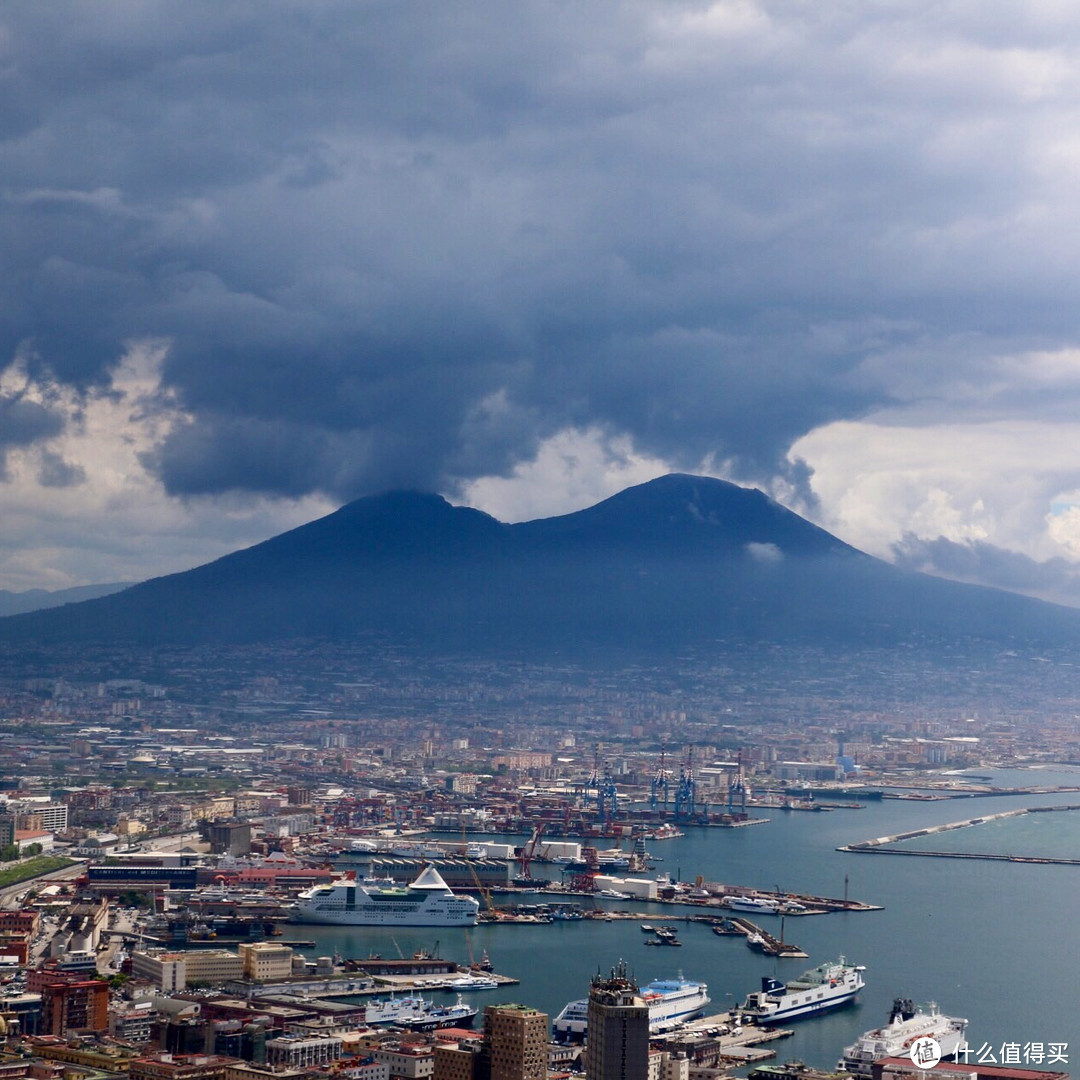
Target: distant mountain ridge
[681, 560]
[15, 603]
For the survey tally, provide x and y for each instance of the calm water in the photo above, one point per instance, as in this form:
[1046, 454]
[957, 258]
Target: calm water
[996, 942]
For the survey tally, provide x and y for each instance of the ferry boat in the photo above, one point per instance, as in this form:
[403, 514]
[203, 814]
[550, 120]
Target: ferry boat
[825, 987]
[428, 901]
[671, 1002]
[666, 831]
[472, 981]
[418, 1014]
[906, 1024]
[759, 904]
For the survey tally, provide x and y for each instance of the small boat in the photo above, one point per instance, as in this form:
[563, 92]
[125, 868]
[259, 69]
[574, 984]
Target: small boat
[725, 928]
[483, 964]
[647, 928]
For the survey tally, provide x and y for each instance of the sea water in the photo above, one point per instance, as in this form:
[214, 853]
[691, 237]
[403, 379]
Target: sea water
[996, 942]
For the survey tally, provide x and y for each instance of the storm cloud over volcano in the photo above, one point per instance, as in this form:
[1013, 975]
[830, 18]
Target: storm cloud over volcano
[350, 247]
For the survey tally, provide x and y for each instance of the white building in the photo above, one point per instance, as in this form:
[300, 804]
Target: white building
[298, 1052]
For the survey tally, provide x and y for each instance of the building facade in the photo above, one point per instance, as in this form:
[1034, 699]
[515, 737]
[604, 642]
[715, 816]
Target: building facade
[261, 960]
[515, 1042]
[618, 1039]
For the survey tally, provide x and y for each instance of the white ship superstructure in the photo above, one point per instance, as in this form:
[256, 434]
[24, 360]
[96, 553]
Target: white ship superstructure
[428, 901]
[671, 1002]
[413, 1011]
[827, 986]
[906, 1024]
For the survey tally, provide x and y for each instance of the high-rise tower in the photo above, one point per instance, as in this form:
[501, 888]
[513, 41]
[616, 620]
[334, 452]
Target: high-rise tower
[515, 1042]
[617, 1046]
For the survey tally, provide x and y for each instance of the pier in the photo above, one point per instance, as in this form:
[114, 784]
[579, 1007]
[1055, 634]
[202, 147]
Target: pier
[760, 939]
[736, 1043]
[881, 845]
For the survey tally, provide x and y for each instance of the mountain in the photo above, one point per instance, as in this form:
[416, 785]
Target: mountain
[678, 561]
[15, 603]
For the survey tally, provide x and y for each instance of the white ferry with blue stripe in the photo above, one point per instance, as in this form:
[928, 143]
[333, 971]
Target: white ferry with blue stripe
[825, 987]
[671, 1003]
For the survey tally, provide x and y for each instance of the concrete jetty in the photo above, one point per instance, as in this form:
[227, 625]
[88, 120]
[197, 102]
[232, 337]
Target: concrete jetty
[881, 845]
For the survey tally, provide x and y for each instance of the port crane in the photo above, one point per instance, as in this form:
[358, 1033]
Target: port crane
[658, 784]
[686, 792]
[737, 789]
[528, 851]
[607, 796]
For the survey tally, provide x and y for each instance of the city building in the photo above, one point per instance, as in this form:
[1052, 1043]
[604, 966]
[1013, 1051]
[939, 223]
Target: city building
[132, 1022]
[406, 1060]
[230, 837]
[171, 971]
[303, 1052]
[76, 1005]
[515, 1042]
[262, 960]
[456, 1061]
[618, 1039]
[165, 1066]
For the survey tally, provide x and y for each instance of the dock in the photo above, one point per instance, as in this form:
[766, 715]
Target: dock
[882, 845]
[738, 1044]
[770, 945]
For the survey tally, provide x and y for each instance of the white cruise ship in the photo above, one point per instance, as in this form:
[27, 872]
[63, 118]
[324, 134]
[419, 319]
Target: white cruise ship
[906, 1024]
[671, 1002]
[825, 987]
[428, 901]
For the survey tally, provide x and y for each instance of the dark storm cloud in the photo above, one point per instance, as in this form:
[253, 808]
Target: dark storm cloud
[982, 563]
[24, 422]
[400, 244]
[57, 473]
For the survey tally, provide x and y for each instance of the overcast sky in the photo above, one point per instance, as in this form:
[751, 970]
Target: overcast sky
[260, 259]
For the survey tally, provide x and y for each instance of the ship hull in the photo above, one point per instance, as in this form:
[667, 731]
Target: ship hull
[671, 1003]
[895, 1039]
[352, 918]
[428, 901]
[828, 987]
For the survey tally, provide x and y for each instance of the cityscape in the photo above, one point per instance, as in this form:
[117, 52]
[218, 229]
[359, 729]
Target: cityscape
[539, 540]
[170, 845]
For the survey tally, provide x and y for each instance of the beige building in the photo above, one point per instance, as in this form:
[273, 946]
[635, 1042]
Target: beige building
[453, 1061]
[171, 971]
[667, 1066]
[412, 1062]
[262, 960]
[516, 1038]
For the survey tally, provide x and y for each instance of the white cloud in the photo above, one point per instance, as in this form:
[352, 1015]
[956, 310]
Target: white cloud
[997, 482]
[572, 470]
[765, 553]
[112, 519]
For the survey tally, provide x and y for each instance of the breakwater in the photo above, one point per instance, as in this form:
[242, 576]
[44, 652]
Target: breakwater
[883, 845]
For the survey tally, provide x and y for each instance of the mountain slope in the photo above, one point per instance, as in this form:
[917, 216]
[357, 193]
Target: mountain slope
[680, 560]
[15, 603]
